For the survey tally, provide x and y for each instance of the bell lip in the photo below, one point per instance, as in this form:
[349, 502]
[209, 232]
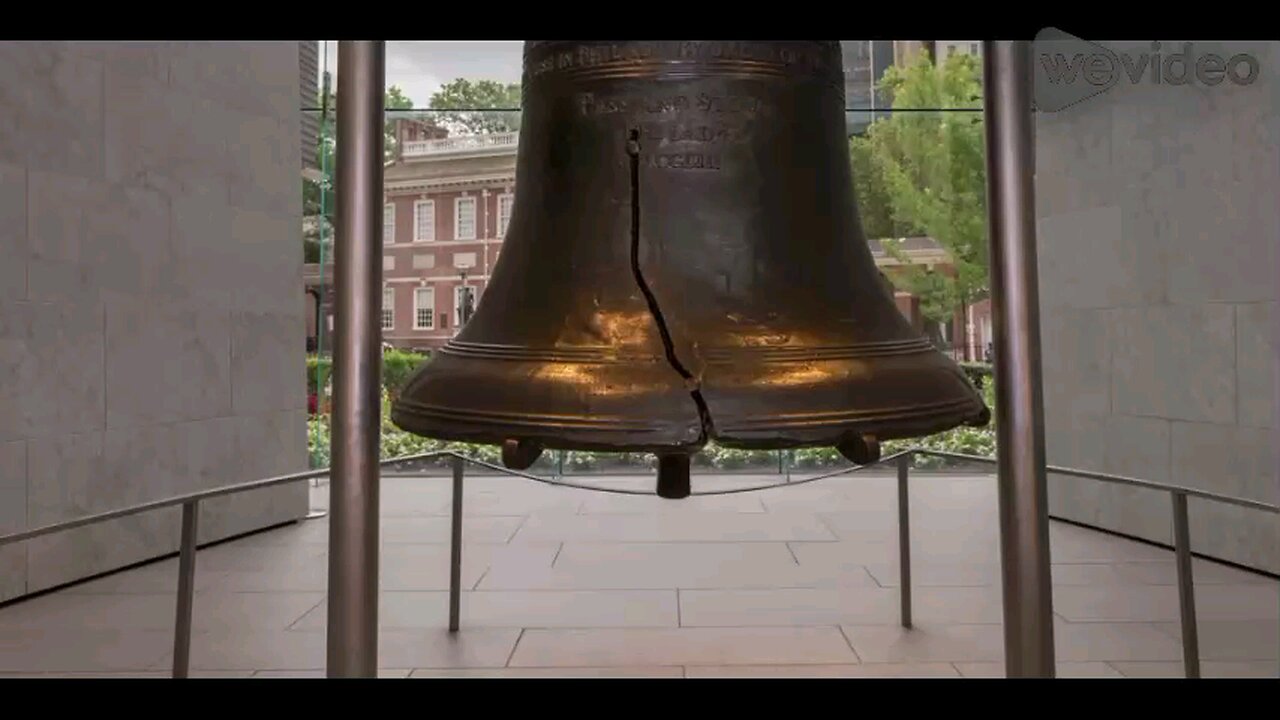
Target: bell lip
[827, 436]
[593, 439]
[832, 435]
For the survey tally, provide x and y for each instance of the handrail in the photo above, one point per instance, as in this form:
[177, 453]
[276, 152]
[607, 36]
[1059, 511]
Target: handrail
[1121, 480]
[190, 503]
[192, 497]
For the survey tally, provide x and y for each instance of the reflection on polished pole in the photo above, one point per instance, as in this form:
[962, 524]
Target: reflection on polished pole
[1024, 512]
[357, 359]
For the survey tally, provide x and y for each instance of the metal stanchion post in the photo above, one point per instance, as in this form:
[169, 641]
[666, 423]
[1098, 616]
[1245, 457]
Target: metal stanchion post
[904, 541]
[1186, 586]
[186, 590]
[1023, 493]
[357, 360]
[455, 548]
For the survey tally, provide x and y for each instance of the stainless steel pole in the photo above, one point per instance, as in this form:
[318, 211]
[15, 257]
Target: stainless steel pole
[455, 548]
[1186, 586]
[186, 590]
[357, 359]
[1019, 411]
[904, 540]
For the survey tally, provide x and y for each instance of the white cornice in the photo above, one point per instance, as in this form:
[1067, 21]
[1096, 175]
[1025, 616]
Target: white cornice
[459, 182]
[455, 277]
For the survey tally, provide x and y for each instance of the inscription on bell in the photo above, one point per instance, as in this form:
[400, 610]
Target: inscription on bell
[803, 56]
[681, 132]
[682, 161]
[740, 105]
[646, 105]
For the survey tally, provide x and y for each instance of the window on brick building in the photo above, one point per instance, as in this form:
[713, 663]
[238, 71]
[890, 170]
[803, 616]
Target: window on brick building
[388, 308]
[424, 308]
[464, 304]
[505, 203]
[464, 225]
[424, 221]
[389, 223]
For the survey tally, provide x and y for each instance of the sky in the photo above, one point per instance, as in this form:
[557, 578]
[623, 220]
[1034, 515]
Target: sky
[420, 67]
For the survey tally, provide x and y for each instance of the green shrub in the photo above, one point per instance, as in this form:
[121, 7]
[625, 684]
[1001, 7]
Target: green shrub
[318, 441]
[397, 367]
[325, 365]
[980, 374]
[816, 458]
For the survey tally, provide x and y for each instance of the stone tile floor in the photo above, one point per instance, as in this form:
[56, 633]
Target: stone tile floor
[794, 581]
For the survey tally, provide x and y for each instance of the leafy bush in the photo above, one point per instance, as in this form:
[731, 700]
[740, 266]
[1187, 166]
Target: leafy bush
[816, 458]
[325, 365]
[318, 441]
[397, 367]
[980, 374]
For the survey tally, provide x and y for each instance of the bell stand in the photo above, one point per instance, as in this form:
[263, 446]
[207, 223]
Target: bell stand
[354, 485]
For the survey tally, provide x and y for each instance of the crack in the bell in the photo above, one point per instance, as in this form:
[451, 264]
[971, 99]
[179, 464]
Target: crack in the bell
[693, 383]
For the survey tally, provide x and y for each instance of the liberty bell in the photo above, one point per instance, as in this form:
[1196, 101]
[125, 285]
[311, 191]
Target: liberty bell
[685, 263]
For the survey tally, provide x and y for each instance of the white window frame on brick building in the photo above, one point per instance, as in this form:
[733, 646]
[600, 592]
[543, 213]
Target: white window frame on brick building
[388, 308]
[506, 201]
[459, 216]
[458, 291]
[389, 223]
[424, 314]
[424, 228]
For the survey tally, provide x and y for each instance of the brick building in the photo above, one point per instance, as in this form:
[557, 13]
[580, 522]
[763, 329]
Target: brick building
[968, 332]
[448, 203]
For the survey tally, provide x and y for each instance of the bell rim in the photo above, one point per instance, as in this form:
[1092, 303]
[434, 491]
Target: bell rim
[589, 434]
[712, 355]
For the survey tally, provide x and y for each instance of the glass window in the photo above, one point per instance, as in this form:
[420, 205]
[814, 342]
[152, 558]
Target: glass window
[388, 308]
[464, 304]
[424, 220]
[505, 202]
[424, 308]
[464, 227]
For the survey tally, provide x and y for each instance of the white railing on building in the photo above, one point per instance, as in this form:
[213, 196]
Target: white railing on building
[461, 144]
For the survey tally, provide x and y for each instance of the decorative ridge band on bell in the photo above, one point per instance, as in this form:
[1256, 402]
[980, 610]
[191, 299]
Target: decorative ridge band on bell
[685, 263]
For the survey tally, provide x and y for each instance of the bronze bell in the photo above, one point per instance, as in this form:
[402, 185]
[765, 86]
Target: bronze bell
[685, 262]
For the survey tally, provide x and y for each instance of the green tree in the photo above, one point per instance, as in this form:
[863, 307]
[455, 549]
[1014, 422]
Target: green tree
[925, 174]
[869, 189]
[485, 106]
[318, 194]
[394, 106]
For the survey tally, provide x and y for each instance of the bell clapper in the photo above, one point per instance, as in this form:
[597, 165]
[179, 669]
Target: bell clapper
[859, 449]
[673, 476]
[520, 454]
